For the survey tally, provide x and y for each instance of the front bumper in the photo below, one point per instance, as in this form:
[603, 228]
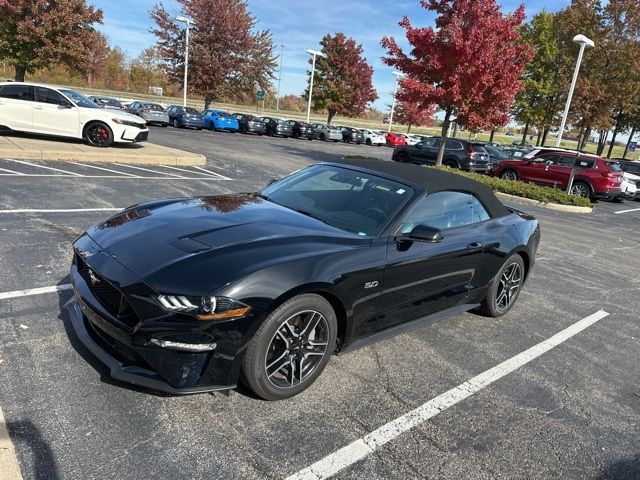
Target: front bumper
[123, 342]
[134, 135]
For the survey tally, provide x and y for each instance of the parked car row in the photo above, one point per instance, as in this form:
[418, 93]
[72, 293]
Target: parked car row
[595, 177]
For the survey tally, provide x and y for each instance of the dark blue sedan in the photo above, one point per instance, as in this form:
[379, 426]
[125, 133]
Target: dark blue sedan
[185, 117]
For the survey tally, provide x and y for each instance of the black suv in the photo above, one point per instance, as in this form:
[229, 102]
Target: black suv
[461, 154]
[302, 130]
[351, 134]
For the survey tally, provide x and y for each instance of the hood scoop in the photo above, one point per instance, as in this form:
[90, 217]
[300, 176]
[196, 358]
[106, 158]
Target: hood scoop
[189, 245]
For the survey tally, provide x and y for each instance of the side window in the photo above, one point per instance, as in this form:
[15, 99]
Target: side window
[445, 210]
[429, 142]
[17, 92]
[546, 159]
[567, 161]
[452, 145]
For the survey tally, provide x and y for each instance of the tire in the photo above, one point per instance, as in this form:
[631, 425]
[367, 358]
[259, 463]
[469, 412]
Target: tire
[335, 141]
[198, 128]
[98, 134]
[276, 341]
[368, 141]
[509, 174]
[451, 164]
[176, 124]
[582, 189]
[165, 125]
[323, 137]
[211, 127]
[498, 301]
[403, 157]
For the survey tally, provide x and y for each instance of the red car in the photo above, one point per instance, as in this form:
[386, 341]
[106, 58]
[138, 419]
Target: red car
[395, 139]
[597, 177]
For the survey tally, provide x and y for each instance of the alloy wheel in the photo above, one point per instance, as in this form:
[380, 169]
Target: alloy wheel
[508, 175]
[98, 135]
[509, 286]
[580, 189]
[296, 349]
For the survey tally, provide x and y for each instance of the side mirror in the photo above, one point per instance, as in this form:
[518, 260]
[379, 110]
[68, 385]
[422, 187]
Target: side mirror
[65, 105]
[423, 233]
[272, 181]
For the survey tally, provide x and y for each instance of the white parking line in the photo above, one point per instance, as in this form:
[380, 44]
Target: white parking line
[626, 211]
[149, 170]
[106, 169]
[222, 177]
[64, 210]
[11, 171]
[48, 168]
[35, 291]
[359, 449]
[209, 175]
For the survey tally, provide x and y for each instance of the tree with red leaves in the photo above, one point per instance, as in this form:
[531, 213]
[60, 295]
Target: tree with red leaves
[36, 34]
[226, 56]
[469, 65]
[342, 83]
[414, 114]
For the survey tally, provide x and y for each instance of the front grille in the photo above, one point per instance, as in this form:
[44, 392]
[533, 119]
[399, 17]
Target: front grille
[142, 136]
[109, 296]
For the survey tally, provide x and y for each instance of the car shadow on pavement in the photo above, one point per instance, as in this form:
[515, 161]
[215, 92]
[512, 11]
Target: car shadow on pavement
[626, 469]
[27, 438]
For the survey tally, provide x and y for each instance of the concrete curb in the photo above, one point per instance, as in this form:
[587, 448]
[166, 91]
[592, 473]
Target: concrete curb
[9, 468]
[551, 206]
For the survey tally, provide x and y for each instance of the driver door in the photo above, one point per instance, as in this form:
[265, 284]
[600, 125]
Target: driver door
[54, 114]
[422, 278]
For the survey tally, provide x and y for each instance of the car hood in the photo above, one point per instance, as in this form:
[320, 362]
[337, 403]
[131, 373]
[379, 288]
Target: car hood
[195, 246]
[109, 114]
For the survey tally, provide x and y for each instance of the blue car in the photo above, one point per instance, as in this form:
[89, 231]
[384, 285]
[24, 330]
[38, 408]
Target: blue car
[219, 120]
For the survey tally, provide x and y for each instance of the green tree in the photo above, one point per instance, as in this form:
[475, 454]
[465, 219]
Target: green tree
[37, 34]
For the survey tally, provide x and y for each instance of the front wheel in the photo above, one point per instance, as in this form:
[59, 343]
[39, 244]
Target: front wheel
[504, 288]
[509, 175]
[98, 134]
[176, 124]
[291, 348]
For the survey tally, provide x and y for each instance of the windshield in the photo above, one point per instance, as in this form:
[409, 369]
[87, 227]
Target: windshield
[496, 152]
[192, 111]
[279, 120]
[79, 99]
[353, 201]
[112, 102]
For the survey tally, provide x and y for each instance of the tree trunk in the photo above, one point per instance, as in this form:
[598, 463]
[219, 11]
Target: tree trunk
[208, 98]
[21, 70]
[330, 117]
[626, 148]
[544, 136]
[443, 135]
[455, 129]
[491, 135]
[579, 139]
[602, 141]
[89, 79]
[538, 138]
[585, 138]
[408, 128]
[615, 134]
[524, 133]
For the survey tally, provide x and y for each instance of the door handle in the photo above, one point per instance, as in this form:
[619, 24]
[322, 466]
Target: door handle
[474, 245]
[37, 108]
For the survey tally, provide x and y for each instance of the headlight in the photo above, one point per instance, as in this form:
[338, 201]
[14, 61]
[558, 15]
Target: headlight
[125, 122]
[204, 308]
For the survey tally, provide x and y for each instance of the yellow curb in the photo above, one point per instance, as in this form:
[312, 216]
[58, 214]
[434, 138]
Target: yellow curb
[550, 206]
[9, 468]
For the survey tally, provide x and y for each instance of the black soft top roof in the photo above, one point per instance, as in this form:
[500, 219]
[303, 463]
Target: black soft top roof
[433, 180]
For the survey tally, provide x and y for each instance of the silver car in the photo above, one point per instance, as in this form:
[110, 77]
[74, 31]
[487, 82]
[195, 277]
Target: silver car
[153, 113]
[327, 132]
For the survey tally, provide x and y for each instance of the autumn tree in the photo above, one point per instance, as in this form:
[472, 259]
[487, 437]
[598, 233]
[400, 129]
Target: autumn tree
[226, 55]
[92, 65]
[469, 64]
[36, 34]
[342, 83]
[414, 114]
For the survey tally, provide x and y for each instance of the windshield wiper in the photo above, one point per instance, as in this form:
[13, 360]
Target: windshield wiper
[262, 196]
[308, 214]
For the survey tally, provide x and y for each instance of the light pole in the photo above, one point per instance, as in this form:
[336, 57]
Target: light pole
[313, 71]
[395, 91]
[583, 42]
[189, 22]
[279, 78]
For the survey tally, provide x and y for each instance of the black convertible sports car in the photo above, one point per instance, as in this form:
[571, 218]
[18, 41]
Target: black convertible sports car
[194, 294]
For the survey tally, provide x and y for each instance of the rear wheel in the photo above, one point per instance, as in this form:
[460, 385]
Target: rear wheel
[451, 164]
[402, 157]
[509, 175]
[291, 347]
[582, 189]
[368, 141]
[98, 134]
[176, 124]
[505, 288]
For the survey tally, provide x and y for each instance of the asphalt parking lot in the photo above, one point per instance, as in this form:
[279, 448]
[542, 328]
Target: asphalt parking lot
[572, 412]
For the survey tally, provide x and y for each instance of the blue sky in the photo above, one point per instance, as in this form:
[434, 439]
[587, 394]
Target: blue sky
[299, 26]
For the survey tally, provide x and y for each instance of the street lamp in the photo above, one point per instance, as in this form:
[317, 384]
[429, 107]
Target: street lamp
[583, 42]
[189, 22]
[315, 53]
[395, 92]
[279, 78]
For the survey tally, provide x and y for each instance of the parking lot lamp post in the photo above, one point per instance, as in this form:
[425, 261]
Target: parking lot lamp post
[279, 78]
[189, 22]
[393, 103]
[583, 42]
[314, 53]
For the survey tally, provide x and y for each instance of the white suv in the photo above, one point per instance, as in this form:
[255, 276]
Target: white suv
[36, 108]
[374, 137]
